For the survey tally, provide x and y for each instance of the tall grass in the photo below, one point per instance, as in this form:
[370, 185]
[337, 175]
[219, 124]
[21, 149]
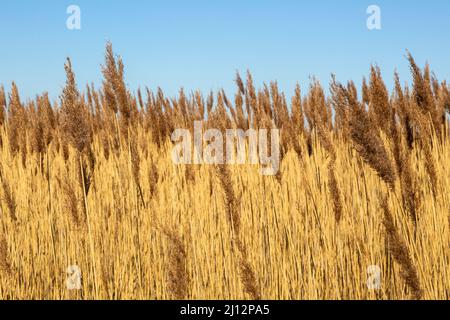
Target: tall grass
[88, 180]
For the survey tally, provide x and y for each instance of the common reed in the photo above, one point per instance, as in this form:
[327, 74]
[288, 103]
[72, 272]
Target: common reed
[88, 180]
[5, 266]
[17, 121]
[368, 142]
[177, 276]
[8, 196]
[2, 105]
[399, 250]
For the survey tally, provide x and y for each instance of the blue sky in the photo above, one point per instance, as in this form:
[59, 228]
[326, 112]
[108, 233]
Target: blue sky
[200, 44]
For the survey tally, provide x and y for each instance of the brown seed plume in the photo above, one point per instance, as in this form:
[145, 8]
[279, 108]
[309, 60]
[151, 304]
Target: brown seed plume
[426, 139]
[317, 110]
[369, 144]
[240, 84]
[47, 116]
[405, 113]
[379, 107]
[335, 192]
[177, 276]
[136, 166]
[247, 274]
[5, 266]
[70, 201]
[231, 202]
[340, 105]
[297, 121]
[2, 105]
[397, 247]
[74, 113]
[153, 177]
[17, 122]
[423, 94]
[411, 200]
[38, 130]
[116, 93]
[365, 92]
[8, 197]
[297, 111]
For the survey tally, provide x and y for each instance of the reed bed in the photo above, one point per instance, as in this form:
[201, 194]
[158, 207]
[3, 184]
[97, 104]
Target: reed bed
[88, 181]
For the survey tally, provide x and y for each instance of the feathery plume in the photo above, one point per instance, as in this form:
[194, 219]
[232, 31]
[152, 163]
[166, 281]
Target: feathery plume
[17, 122]
[379, 107]
[8, 197]
[369, 144]
[2, 105]
[397, 247]
[5, 266]
[177, 277]
[75, 124]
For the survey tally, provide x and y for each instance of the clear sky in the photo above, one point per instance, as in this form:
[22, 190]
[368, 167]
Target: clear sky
[200, 44]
